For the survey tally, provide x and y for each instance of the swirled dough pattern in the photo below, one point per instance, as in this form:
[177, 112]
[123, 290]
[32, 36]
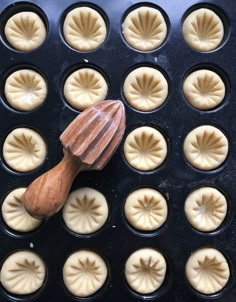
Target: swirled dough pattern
[207, 270]
[25, 89]
[14, 213]
[205, 209]
[145, 270]
[144, 28]
[84, 273]
[23, 273]
[145, 88]
[145, 148]
[24, 149]
[84, 29]
[203, 30]
[146, 209]
[85, 211]
[206, 147]
[85, 87]
[25, 31]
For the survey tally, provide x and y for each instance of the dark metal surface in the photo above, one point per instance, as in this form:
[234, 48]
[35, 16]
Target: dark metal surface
[175, 178]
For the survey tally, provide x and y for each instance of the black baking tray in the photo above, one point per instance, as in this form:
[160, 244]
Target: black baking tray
[175, 178]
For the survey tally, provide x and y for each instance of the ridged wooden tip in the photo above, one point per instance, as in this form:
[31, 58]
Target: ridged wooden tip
[96, 133]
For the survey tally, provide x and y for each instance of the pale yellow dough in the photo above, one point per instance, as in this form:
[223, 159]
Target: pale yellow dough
[84, 273]
[85, 87]
[144, 28]
[14, 213]
[24, 150]
[207, 270]
[206, 147]
[146, 209]
[204, 89]
[145, 88]
[25, 89]
[205, 209]
[84, 29]
[145, 270]
[25, 31]
[23, 273]
[203, 30]
[85, 211]
[145, 148]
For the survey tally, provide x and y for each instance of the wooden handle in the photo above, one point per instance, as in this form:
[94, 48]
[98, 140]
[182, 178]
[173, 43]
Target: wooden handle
[47, 194]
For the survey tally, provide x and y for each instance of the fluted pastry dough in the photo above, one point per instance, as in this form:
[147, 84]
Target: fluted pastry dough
[15, 215]
[144, 28]
[206, 147]
[84, 29]
[204, 89]
[207, 270]
[206, 208]
[203, 30]
[145, 148]
[23, 273]
[85, 211]
[25, 89]
[145, 270]
[24, 149]
[85, 87]
[84, 273]
[25, 31]
[146, 209]
[145, 88]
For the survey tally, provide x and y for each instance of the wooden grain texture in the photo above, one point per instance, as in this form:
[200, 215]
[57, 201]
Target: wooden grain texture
[89, 141]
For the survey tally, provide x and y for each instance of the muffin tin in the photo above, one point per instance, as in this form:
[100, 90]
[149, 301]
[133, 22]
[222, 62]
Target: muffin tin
[175, 178]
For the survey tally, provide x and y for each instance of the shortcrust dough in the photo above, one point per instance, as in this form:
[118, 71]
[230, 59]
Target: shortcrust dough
[23, 273]
[203, 30]
[25, 31]
[145, 148]
[144, 28]
[14, 213]
[84, 29]
[24, 149]
[207, 270]
[146, 209]
[145, 88]
[85, 211]
[84, 88]
[25, 89]
[205, 209]
[204, 89]
[84, 273]
[145, 270]
[206, 147]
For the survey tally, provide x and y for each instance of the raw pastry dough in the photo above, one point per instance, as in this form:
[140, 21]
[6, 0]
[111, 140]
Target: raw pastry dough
[206, 147]
[84, 273]
[14, 213]
[204, 89]
[25, 31]
[23, 273]
[145, 148]
[84, 88]
[84, 29]
[207, 270]
[146, 209]
[145, 270]
[203, 30]
[205, 209]
[144, 28]
[24, 149]
[145, 88]
[25, 89]
[85, 211]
